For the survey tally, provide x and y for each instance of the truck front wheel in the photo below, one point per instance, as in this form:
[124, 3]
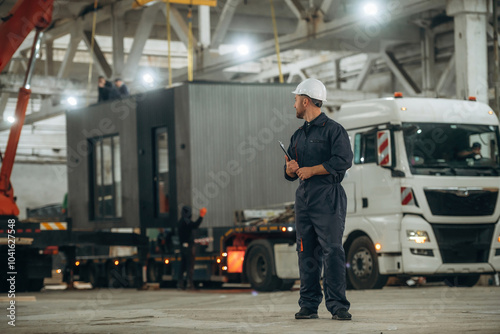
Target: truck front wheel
[362, 265]
[259, 268]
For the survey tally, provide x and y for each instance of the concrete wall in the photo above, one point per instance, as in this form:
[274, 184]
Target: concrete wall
[38, 185]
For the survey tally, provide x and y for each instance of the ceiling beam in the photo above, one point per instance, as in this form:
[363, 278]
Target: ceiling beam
[403, 77]
[141, 36]
[76, 37]
[365, 72]
[297, 9]
[98, 55]
[117, 35]
[322, 30]
[223, 23]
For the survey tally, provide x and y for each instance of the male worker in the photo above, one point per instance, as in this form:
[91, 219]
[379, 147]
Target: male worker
[321, 154]
[121, 88]
[104, 88]
[186, 239]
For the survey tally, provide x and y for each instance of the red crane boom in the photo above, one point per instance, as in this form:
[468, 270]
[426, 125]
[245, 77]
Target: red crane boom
[25, 16]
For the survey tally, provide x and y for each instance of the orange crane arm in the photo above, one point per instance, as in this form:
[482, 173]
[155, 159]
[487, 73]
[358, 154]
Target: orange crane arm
[25, 16]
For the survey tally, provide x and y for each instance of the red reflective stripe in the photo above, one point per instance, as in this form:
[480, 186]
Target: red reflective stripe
[20, 230]
[38, 230]
[380, 134]
[28, 230]
[385, 161]
[408, 198]
[403, 189]
[301, 245]
[1, 231]
[383, 146]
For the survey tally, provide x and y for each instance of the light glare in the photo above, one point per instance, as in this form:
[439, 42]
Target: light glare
[148, 78]
[242, 49]
[370, 9]
[72, 101]
[11, 119]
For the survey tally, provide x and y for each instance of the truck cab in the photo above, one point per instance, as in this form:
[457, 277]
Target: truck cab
[422, 191]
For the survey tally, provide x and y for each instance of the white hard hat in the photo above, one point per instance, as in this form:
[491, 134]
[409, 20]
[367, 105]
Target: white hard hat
[312, 88]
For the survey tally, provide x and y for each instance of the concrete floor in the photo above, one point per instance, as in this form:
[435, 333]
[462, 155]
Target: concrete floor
[428, 309]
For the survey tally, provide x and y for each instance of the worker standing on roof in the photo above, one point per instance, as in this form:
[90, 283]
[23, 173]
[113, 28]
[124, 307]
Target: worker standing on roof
[321, 153]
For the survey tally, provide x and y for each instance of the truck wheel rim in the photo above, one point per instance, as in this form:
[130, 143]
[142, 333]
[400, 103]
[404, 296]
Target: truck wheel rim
[362, 263]
[260, 266]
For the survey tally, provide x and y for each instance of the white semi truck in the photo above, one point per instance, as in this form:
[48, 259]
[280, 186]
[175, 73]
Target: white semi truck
[422, 190]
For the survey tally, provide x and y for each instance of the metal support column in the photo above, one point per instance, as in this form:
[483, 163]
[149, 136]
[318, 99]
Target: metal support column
[470, 47]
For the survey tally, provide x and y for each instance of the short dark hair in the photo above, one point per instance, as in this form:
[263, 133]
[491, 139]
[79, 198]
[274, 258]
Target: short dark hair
[317, 103]
[101, 77]
[476, 144]
[118, 79]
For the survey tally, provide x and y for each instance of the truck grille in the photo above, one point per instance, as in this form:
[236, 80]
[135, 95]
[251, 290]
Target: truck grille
[464, 243]
[462, 202]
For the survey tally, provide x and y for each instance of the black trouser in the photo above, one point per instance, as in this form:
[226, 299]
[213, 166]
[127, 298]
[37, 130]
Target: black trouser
[320, 219]
[187, 264]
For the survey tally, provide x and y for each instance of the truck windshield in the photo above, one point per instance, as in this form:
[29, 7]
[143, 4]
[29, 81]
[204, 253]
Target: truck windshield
[452, 149]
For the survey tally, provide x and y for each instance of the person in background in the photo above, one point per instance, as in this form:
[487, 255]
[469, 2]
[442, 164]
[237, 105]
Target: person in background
[104, 89]
[474, 152]
[121, 88]
[186, 239]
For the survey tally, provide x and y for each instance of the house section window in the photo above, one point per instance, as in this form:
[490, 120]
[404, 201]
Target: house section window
[365, 148]
[162, 172]
[106, 198]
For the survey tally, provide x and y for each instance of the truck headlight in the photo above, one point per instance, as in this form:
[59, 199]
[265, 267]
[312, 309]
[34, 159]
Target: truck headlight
[419, 237]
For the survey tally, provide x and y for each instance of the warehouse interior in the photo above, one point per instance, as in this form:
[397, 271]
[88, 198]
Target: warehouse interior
[360, 49]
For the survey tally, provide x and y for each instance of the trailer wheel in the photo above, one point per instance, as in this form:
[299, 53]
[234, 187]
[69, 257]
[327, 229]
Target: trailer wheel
[132, 272]
[91, 274]
[362, 265]
[35, 284]
[462, 280]
[259, 268]
[153, 271]
[287, 284]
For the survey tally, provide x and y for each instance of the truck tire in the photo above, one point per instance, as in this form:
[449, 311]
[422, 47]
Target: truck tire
[259, 264]
[462, 280]
[362, 265]
[287, 284]
[91, 274]
[35, 284]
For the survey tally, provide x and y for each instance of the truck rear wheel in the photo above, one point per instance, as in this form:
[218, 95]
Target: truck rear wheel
[259, 267]
[462, 280]
[362, 265]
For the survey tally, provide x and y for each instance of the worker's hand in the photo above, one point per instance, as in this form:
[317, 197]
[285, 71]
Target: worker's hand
[305, 172]
[291, 166]
[203, 212]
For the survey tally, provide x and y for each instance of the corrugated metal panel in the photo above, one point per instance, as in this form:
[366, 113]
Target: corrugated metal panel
[236, 160]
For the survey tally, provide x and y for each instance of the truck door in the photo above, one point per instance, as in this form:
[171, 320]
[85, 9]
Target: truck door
[378, 190]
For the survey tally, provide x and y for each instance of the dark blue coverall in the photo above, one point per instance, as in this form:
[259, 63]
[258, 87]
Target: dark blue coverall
[320, 210]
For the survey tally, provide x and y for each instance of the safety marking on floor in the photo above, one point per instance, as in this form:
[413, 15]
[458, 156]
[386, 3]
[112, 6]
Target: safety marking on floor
[19, 299]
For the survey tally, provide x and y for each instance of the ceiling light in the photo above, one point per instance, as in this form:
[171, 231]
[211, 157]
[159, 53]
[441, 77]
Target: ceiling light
[72, 101]
[11, 119]
[242, 49]
[370, 9]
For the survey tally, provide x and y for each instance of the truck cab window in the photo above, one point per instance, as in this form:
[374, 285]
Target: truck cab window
[162, 172]
[451, 148]
[106, 178]
[365, 148]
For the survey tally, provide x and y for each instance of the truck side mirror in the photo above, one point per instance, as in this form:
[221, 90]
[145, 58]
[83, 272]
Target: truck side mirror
[384, 148]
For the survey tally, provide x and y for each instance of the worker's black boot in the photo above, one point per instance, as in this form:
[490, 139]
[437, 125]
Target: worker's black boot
[306, 313]
[342, 314]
